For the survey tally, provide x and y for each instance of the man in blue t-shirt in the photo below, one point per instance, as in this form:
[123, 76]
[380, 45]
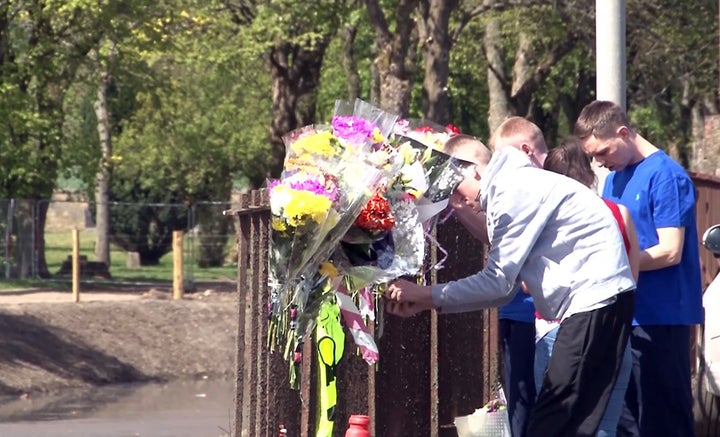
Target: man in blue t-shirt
[661, 199]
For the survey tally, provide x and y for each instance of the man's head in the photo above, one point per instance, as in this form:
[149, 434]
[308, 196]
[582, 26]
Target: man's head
[523, 135]
[469, 149]
[606, 135]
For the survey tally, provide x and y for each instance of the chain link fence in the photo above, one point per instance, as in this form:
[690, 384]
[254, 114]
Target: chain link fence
[36, 241]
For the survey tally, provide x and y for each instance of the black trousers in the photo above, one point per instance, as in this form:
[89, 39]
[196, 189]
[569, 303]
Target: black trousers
[583, 368]
[660, 384]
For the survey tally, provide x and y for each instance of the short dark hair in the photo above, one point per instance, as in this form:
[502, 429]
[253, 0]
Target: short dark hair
[600, 118]
[569, 159]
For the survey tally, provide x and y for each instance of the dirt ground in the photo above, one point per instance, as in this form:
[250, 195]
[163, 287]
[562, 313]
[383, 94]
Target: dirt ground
[48, 342]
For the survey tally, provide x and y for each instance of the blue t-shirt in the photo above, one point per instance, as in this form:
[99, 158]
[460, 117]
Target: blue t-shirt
[659, 194]
[520, 309]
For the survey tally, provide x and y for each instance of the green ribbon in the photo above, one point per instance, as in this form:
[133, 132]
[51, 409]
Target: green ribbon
[330, 341]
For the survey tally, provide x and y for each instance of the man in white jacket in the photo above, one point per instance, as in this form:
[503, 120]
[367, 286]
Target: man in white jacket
[558, 237]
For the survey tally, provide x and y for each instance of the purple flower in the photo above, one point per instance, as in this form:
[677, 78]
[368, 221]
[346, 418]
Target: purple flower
[313, 183]
[353, 129]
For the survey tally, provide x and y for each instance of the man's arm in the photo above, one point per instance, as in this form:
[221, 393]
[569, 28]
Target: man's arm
[672, 201]
[517, 217]
[474, 221]
[668, 251]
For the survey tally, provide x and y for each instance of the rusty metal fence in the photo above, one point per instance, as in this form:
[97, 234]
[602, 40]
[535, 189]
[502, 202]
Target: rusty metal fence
[707, 406]
[432, 367]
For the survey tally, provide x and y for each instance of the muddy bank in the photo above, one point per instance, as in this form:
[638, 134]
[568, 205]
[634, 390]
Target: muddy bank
[49, 346]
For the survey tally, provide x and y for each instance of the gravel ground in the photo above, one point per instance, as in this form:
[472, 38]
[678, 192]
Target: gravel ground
[49, 343]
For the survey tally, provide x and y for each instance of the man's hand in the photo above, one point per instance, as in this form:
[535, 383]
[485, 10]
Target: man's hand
[407, 298]
[406, 291]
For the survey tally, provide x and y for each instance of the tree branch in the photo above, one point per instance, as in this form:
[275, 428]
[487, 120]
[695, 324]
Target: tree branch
[378, 20]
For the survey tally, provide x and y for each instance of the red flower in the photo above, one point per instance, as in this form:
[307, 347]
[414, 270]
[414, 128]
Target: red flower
[376, 215]
[452, 129]
[425, 129]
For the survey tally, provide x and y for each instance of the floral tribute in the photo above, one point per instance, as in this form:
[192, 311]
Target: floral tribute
[346, 219]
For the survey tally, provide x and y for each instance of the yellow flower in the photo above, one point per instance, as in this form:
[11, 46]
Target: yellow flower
[328, 269]
[305, 205]
[278, 225]
[408, 153]
[320, 143]
[377, 136]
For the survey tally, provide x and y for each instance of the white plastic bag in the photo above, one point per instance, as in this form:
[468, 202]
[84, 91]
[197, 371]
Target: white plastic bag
[489, 421]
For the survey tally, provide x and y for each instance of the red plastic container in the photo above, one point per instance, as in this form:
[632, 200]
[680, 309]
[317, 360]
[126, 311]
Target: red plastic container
[359, 426]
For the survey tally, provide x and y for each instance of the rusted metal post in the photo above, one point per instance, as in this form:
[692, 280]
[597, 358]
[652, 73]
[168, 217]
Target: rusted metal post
[242, 250]
[178, 276]
[467, 342]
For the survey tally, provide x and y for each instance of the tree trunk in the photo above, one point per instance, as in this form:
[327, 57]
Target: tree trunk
[27, 251]
[395, 57]
[514, 95]
[295, 75]
[347, 35]
[213, 229]
[436, 44]
[522, 74]
[705, 136]
[500, 106]
[374, 83]
[102, 179]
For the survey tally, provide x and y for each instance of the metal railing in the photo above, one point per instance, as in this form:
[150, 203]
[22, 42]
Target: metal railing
[432, 368]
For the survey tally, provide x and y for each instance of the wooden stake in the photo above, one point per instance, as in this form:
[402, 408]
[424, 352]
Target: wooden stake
[178, 286]
[76, 265]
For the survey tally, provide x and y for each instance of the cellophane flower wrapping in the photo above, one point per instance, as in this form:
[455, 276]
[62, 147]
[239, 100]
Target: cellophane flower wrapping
[330, 172]
[416, 194]
[425, 180]
[443, 172]
[398, 252]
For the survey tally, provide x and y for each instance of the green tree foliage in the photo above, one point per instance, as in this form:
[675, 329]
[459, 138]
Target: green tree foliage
[145, 223]
[42, 45]
[672, 67]
[204, 127]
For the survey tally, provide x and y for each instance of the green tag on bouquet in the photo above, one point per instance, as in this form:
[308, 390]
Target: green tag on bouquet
[330, 341]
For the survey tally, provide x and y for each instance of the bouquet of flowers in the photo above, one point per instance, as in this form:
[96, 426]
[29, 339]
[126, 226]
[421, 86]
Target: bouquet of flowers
[330, 173]
[442, 171]
[348, 215]
[414, 195]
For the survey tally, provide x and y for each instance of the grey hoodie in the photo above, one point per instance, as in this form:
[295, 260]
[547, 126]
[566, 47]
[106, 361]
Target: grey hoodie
[551, 232]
